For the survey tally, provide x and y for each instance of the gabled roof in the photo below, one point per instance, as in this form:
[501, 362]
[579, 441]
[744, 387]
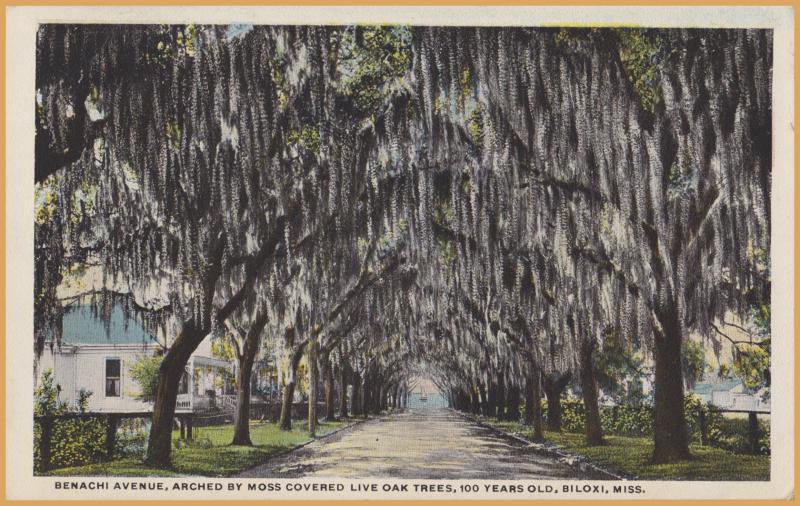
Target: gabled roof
[82, 326]
[720, 386]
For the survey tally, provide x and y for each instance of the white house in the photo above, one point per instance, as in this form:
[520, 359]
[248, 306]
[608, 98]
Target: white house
[96, 356]
[730, 394]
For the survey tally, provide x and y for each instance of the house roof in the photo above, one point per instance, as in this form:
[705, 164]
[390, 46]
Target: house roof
[81, 325]
[721, 386]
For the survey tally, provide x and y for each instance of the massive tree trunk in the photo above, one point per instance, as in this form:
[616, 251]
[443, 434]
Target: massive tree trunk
[286, 405]
[159, 443]
[484, 400]
[670, 433]
[512, 401]
[330, 401]
[246, 359]
[554, 385]
[490, 406]
[343, 379]
[533, 404]
[384, 394]
[313, 380]
[500, 414]
[356, 394]
[363, 393]
[475, 402]
[594, 431]
[241, 419]
[395, 395]
[288, 389]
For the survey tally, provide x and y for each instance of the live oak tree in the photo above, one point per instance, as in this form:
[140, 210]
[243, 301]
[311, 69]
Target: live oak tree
[527, 193]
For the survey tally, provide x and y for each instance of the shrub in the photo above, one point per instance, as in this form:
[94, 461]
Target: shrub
[627, 420]
[637, 421]
[74, 441]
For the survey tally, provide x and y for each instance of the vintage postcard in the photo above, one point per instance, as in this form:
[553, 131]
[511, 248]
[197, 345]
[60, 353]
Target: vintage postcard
[400, 253]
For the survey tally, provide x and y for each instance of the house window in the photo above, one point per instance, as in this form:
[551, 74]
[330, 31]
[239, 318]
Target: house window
[113, 377]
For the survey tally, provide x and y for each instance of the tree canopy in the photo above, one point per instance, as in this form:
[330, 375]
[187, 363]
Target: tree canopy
[473, 199]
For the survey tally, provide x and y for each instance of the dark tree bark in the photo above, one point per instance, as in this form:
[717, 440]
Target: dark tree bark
[490, 406]
[246, 359]
[501, 399]
[330, 401]
[554, 385]
[512, 402]
[594, 430]
[356, 394]
[313, 381]
[288, 390]
[343, 380]
[363, 392]
[670, 433]
[533, 404]
[395, 396]
[484, 400]
[241, 419]
[192, 334]
[475, 403]
[159, 443]
[384, 398]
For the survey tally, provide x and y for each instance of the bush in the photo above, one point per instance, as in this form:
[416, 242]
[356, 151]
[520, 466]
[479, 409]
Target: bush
[74, 441]
[637, 420]
[132, 436]
[627, 420]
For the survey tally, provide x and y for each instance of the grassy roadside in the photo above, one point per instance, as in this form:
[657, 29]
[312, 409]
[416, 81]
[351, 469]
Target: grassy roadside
[210, 454]
[630, 456]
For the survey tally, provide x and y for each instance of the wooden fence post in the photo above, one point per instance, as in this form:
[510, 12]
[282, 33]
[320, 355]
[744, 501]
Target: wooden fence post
[111, 435]
[182, 422]
[189, 427]
[45, 441]
[755, 448]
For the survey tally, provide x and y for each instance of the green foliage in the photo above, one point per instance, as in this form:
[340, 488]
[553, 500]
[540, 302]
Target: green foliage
[693, 362]
[144, 371]
[223, 349]
[74, 441]
[211, 454]
[631, 456]
[176, 42]
[45, 200]
[83, 399]
[306, 138]
[627, 420]
[631, 420]
[638, 51]
[371, 57]
[46, 396]
[761, 315]
[475, 126]
[751, 364]
[131, 437]
[619, 369]
[173, 133]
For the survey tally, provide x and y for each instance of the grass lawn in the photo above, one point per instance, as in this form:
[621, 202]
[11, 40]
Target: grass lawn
[210, 454]
[631, 455]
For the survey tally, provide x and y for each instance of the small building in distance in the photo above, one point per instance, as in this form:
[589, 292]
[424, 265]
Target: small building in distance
[731, 394]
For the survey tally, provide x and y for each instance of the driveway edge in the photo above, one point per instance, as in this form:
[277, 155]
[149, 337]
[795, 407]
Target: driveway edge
[304, 443]
[579, 462]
